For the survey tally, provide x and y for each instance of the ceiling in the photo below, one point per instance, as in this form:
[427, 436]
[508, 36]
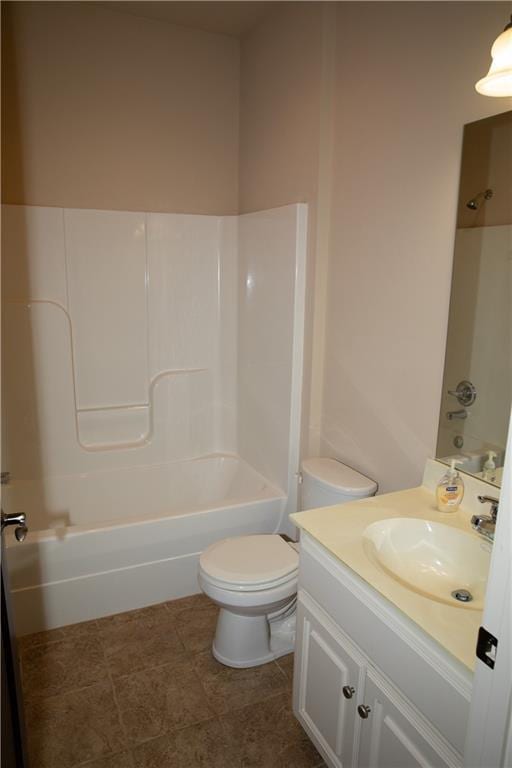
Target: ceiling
[227, 18]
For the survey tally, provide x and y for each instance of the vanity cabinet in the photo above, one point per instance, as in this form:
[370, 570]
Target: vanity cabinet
[348, 700]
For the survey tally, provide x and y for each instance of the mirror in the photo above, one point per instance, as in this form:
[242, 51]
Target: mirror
[477, 382]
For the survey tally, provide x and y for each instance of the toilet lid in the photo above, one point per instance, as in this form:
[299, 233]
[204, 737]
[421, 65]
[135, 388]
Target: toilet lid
[245, 560]
[339, 477]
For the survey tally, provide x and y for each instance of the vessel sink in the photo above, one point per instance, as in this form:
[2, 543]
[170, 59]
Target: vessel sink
[436, 560]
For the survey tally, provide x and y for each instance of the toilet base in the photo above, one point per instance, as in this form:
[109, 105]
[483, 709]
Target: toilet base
[245, 641]
[248, 663]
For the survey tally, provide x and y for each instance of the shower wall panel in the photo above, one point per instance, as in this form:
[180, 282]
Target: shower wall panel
[137, 339]
[479, 342]
[112, 329]
[33, 254]
[107, 305]
[183, 253]
[272, 247]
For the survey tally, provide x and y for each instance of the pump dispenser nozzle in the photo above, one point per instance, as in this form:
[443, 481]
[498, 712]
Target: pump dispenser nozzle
[489, 469]
[452, 469]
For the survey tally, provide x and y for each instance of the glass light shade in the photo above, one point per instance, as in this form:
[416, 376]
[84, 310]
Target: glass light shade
[498, 81]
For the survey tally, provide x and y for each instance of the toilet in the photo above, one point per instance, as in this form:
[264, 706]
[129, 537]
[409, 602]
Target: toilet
[253, 579]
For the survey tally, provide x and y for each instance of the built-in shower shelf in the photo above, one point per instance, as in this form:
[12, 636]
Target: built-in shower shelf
[114, 427]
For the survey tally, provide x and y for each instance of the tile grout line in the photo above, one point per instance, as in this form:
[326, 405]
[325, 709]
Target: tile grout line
[251, 704]
[118, 709]
[104, 757]
[31, 699]
[276, 662]
[114, 694]
[173, 731]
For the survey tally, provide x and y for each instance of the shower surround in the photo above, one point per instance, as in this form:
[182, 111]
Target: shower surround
[151, 397]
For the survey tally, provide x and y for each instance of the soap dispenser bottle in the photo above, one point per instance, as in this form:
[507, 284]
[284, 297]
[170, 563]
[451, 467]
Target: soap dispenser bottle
[489, 473]
[450, 489]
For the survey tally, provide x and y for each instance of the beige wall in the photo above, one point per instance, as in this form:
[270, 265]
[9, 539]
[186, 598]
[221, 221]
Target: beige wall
[404, 90]
[279, 108]
[384, 164]
[108, 110]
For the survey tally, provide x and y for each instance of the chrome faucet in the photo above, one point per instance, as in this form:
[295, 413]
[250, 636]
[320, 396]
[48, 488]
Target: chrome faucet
[461, 414]
[485, 525]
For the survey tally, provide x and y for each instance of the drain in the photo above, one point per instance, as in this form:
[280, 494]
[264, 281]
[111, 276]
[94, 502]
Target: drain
[462, 595]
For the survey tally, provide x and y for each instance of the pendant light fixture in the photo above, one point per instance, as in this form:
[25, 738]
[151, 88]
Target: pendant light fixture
[498, 81]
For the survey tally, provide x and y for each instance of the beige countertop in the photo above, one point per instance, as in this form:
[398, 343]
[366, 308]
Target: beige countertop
[340, 530]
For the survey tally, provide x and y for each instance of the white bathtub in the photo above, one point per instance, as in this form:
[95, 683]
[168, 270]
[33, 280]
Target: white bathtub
[113, 541]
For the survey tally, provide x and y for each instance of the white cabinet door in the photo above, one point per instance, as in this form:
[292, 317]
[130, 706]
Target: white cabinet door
[326, 696]
[393, 735]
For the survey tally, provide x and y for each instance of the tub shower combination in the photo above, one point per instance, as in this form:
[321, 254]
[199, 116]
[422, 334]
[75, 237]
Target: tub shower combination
[152, 384]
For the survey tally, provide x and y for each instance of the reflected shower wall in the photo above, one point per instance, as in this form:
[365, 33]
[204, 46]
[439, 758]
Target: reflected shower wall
[479, 340]
[479, 343]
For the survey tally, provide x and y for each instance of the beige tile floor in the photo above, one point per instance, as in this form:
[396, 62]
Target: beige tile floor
[142, 690]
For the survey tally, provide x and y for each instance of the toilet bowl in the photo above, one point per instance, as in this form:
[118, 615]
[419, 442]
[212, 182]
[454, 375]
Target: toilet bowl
[253, 579]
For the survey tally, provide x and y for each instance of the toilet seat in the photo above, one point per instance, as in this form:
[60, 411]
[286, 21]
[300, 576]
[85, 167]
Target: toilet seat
[249, 563]
[250, 589]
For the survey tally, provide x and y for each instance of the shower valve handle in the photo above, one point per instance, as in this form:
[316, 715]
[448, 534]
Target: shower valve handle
[465, 392]
[17, 519]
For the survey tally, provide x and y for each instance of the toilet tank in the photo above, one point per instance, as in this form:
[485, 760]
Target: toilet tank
[327, 481]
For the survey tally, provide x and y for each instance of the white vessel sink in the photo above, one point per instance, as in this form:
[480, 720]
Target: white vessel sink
[433, 559]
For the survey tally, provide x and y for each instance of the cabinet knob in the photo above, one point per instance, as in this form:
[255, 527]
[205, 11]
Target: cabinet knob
[348, 691]
[363, 711]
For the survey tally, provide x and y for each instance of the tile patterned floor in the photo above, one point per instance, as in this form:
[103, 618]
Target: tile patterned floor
[142, 690]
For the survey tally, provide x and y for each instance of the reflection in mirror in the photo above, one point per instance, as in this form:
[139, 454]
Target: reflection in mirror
[477, 383]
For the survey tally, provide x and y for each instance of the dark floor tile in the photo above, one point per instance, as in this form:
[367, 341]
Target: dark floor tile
[300, 755]
[204, 745]
[269, 736]
[120, 760]
[196, 627]
[61, 666]
[168, 691]
[74, 727]
[141, 640]
[83, 629]
[228, 689]
[159, 700]
[157, 753]
[149, 613]
[285, 664]
[192, 601]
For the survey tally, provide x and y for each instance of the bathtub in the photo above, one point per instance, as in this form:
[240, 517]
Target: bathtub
[113, 541]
